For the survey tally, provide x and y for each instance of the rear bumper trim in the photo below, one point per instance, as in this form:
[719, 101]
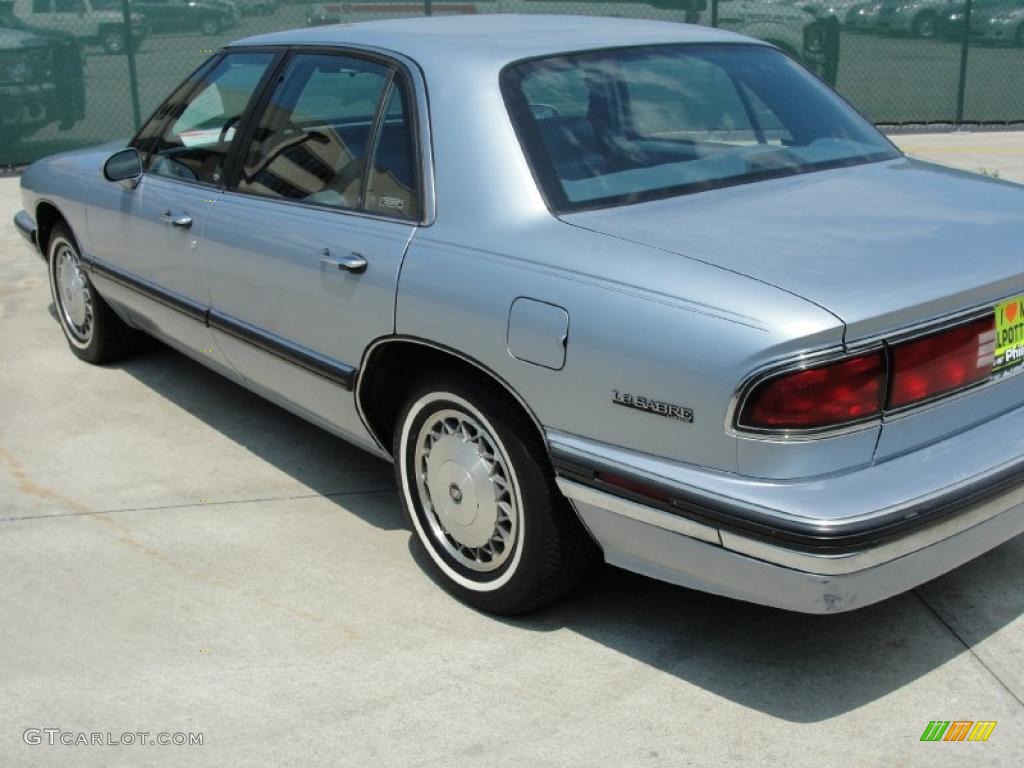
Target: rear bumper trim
[797, 581]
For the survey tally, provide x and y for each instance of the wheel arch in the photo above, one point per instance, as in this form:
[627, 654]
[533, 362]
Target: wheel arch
[48, 216]
[383, 379]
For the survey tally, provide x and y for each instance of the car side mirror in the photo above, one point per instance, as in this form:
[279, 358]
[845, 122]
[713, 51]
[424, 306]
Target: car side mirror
[124, 166]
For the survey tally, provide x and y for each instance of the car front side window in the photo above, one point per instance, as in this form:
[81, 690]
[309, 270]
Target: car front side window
[195, 143]
[314, 140]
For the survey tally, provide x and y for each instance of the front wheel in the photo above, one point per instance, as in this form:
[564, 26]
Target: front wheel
[481, 499]
[114, 42]
[94, 333]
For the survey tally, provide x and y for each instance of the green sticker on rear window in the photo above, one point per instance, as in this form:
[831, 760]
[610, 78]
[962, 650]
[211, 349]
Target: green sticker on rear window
[1009, 350]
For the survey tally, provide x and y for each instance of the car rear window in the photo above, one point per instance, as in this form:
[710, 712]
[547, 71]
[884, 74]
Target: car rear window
[623, 125]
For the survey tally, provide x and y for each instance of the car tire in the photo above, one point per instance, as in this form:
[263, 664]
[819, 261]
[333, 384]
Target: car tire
[113, 42]
[92, 329]
[503, 539]
[925, 25]
[210, 26]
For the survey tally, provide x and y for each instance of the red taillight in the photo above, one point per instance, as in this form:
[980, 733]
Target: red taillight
[941, 363]
[824, 396]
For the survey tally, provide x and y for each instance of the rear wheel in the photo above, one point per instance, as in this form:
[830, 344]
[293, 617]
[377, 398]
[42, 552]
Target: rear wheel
[925, 25]
[210, 26]
[475, 485]
[93, 331]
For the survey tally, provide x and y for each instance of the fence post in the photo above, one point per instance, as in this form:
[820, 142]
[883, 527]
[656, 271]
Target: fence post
[965, 45]
[428, 7]
[714, 13]
[129, 49]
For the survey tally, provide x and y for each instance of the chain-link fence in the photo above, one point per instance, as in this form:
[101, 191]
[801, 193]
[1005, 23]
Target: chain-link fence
[79, 72]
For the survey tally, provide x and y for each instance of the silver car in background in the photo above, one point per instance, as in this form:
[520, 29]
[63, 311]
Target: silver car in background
[634, 289]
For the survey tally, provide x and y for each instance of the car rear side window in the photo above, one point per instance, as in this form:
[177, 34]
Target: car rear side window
[195, 144]
[392, 182]
[312, 140]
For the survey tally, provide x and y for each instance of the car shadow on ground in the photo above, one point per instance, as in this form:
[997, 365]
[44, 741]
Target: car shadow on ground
[315, 458]
[796, 667]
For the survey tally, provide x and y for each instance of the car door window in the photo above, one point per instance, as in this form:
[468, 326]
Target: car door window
[312, 141]
[195, 144]
[148, 137]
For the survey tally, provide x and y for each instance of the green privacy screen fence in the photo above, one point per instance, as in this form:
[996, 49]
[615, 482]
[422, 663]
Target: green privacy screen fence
[80, 72]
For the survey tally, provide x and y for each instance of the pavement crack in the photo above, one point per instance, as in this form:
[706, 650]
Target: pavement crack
[79, 511]
[952, 630]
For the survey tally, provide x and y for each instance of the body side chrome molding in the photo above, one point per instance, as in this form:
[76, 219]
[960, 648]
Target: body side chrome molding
[169, 299]
[329, 368]
[577, 492]
[334, 370]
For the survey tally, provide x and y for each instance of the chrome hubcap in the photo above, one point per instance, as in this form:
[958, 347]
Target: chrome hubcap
[73, 295]
[463, 482]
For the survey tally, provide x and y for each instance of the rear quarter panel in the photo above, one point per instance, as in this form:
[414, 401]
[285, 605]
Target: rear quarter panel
[640, 321]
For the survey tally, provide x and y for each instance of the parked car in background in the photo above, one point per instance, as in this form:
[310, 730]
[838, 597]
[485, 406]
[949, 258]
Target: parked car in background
[258, 7]
[1002, 24]
[614, 286]
[790, 28]
[825, 9]
[93, 25]
[951, 23]
[866, 16]
[41, 80]
[918, 18]
[211, 17]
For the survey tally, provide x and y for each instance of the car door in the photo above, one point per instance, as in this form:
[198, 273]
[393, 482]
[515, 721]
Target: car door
[303, 251]
[147, 237]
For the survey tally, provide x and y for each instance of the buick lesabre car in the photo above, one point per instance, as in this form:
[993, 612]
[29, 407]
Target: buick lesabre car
[637, 289]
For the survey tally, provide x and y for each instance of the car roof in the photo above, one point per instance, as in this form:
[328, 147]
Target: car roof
[496, 38]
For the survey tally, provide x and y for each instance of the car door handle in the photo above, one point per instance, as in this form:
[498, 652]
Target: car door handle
[353, 263]
[181, 222]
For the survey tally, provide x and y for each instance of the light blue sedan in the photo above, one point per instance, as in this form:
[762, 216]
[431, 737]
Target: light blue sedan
[598, 288]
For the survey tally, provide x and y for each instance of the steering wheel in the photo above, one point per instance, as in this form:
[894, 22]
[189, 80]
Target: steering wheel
[232, 121]
[544, 111]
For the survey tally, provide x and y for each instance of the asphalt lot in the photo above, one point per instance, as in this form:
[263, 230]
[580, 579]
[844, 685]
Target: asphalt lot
[177, 555]
[890, 79]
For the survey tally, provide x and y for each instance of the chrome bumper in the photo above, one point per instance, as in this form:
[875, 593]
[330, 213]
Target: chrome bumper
[646, 547]
[818, 545]
[27, 229]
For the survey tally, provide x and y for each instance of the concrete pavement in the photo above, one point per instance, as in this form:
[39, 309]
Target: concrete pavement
[177, 555]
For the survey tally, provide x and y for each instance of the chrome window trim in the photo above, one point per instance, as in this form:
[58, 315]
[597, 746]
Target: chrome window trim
[882, 342]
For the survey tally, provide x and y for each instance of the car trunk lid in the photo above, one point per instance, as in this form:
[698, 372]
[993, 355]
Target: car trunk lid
[883, 246]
